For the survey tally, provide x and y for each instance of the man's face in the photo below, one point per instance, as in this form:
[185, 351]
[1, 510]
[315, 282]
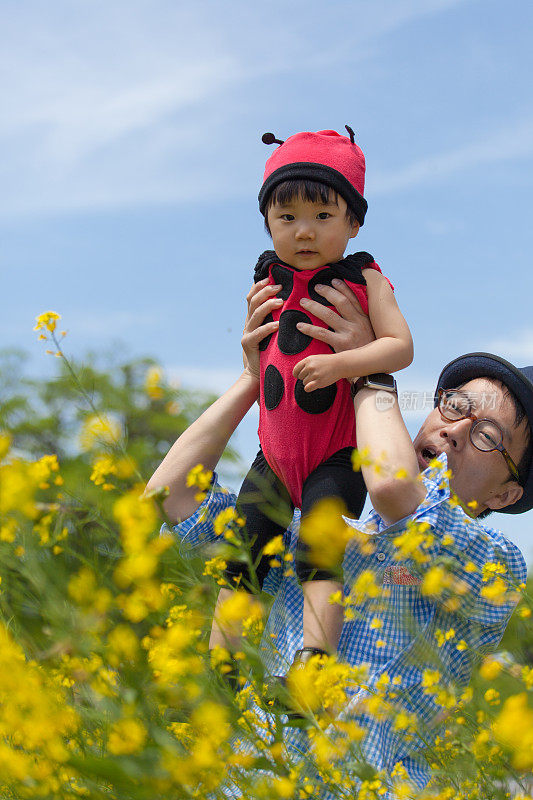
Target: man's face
[308, 235]
[477, 477]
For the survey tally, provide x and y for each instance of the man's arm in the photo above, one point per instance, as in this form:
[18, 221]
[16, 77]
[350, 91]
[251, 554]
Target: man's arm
[394, 488]
[204, 441]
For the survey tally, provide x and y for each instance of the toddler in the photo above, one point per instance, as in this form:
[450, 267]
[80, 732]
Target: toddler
[312, 199]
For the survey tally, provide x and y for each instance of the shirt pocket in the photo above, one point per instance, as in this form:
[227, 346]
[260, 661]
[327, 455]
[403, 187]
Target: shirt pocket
[399, 612]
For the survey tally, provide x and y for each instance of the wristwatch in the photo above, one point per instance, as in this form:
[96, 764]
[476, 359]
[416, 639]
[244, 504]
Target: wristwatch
[378, 380]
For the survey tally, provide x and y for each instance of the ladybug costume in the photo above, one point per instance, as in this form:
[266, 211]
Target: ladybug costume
[323, 419]
[306, 438]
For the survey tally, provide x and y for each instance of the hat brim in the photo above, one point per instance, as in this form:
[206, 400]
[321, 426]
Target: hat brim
[486, 365]
[307, 170]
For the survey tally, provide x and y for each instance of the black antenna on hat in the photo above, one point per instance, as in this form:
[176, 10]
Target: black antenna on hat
[352, 134]
[269, 138]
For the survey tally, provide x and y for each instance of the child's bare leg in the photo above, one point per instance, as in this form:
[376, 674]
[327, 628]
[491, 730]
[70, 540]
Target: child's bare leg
[322, 620]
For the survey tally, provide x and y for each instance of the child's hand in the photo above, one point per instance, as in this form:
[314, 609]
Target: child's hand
[316, 372]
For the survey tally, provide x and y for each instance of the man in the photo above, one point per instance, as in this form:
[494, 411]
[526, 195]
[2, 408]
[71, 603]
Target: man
[426, 548]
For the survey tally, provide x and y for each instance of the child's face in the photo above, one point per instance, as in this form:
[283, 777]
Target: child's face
[308, 235]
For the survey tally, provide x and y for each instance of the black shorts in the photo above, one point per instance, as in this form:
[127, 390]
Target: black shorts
[266, 505]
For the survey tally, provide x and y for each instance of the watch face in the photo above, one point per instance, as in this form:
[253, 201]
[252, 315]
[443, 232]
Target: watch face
[381, 380]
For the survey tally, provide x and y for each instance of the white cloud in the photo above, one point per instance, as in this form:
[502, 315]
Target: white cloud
[518, 346]
[98, 96]
[213, 379]
[112, 105]
[510, 143]
[105, 324]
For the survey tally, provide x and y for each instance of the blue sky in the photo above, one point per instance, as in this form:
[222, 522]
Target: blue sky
[132, 158]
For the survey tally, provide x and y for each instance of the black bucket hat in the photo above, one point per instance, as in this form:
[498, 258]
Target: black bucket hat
[518, 380]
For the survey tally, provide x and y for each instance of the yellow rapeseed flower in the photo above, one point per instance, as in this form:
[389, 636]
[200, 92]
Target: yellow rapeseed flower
[238, 608]
[490, 668]
[492, 568]
[136, 568]
[201, 478]
[170, 655]
[153, 383]
[414, 542]
[214, 568]
[123, 644]
[404, 721]
[104, 465]
[100, 430]
[326, 533]
[492, 696]
[495, 592]
[435, 581]
[527, 676]
[365, 587]
[8, 530]
[211, 721]
[5, 444]
[430, 679]
[35, 718]
[225, 520]
[283, 787]
[47, 321]
[361, 458]
[514, 729]
[274, 547]
[127, 736]
[81, 587]
[322, 682]
[137, 518]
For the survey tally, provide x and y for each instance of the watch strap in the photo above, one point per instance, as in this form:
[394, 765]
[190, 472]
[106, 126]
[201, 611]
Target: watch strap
[377, 380]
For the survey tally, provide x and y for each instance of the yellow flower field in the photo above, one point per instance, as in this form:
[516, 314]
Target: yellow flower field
[107, 687]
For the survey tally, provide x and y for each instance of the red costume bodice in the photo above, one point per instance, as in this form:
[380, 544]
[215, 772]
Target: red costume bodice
[299, 430]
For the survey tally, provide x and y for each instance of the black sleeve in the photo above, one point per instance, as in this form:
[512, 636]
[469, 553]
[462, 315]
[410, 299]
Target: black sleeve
[263, 263]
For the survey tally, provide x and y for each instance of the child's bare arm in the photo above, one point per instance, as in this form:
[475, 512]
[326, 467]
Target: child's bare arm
[392, 350]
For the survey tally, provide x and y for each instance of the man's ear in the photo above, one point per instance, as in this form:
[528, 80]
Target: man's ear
[512, 493]
[355, 230]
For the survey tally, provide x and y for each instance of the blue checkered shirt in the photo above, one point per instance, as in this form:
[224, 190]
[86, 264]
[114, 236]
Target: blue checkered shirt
[410, 622]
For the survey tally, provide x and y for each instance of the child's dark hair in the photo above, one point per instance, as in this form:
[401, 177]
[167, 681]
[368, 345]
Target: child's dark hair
[312, 191]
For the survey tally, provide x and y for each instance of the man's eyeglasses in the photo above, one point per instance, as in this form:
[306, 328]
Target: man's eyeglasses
[485, 434]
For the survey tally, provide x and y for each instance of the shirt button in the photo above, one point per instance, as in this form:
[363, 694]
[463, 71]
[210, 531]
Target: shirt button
[381, 556]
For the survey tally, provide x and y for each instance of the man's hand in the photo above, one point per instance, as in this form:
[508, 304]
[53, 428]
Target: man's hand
[347, 329]
[315, 372]
[260, 303]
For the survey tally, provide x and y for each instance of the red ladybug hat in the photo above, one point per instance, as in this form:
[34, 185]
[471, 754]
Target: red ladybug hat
[324, 156]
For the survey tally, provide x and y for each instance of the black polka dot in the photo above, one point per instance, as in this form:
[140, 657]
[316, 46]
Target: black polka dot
[285, 277]
[273, 387]
[290, 339]
[324, 277]
[315, 402]
[263, 344]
